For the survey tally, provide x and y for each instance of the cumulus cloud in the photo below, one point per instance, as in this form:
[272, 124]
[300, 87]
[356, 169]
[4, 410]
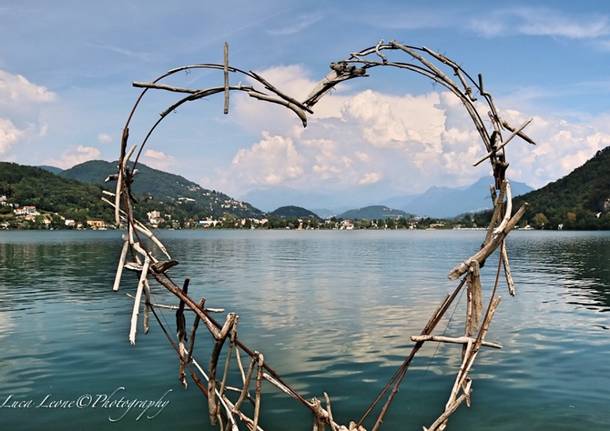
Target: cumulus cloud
[17, 89]
[158, 159]
[295, 81]
[9, 135]
[20, 102]
[271, 161]
[400, 143]
[75, 156]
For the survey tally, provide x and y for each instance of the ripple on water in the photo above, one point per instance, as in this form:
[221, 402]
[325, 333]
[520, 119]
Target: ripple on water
[332, 311]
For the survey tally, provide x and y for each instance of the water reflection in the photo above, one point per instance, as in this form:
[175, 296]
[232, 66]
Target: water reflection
[333, 311]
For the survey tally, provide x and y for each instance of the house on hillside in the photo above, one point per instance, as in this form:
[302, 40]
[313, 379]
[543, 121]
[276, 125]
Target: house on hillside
[26, 210]
[96, 224]
[346, 225]
[208, 222]
[154, 218]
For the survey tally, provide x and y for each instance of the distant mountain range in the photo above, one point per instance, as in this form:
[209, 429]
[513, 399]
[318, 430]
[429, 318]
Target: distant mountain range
[444, 202]
[373, 212]
[440, 202]
[320, 202]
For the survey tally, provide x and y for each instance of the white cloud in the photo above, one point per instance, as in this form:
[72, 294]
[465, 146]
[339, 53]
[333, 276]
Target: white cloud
[9, 135]
[541, 21]
[104, 138]
[400, 143]
[294, 81]
[369, 178]
[271, 161]
[20, 102]
[158, 159]
[17, 89]
[75, 156]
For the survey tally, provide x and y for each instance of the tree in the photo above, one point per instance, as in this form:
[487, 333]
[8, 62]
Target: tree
[540, 220]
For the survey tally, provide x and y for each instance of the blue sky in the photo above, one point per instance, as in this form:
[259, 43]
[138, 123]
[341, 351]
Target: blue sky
[66, 69]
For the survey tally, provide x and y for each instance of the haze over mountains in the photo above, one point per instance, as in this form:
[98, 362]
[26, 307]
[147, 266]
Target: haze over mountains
[434, 202]
[449, 201]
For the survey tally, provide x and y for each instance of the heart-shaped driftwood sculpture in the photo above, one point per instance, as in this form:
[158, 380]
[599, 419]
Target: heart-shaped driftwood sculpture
[225, 403]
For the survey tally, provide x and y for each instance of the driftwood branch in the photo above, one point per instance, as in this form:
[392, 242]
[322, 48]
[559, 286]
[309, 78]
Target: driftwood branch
[226, 401]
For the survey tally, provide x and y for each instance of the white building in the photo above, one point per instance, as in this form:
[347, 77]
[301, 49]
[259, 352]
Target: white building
[154, 218]
[26, 210]
[209, 222]
[347, 225]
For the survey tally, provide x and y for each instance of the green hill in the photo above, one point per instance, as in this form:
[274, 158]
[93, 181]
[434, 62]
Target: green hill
[373, 212]
[28, 185]
[293, 212]
[165, 192]
[76, 194]
[52, 169]
[580, 200]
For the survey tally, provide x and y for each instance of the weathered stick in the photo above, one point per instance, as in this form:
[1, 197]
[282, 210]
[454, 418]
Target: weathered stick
[258, 389]
[121, 265]
[212, 403]
[136, 303]
[226, 77]
[507, 273]
[247, 378]
[147, 302]
[521, 134]
[194, 331]
[504, 144]
[400, 374]
[498, 204]
[488, 248]
[448, 412]
[229, 355]
[475, 299]
[453, 340]
[509, 208]
[181, 334]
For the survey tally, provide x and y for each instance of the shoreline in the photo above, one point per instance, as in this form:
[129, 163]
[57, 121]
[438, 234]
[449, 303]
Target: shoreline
[304, 230]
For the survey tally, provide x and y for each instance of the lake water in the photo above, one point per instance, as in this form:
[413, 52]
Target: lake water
[332, 311]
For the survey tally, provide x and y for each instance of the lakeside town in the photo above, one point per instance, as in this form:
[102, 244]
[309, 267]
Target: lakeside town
[31, 217]
[36, 198]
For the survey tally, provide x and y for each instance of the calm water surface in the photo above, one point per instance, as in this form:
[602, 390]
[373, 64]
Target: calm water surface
[332, 311]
